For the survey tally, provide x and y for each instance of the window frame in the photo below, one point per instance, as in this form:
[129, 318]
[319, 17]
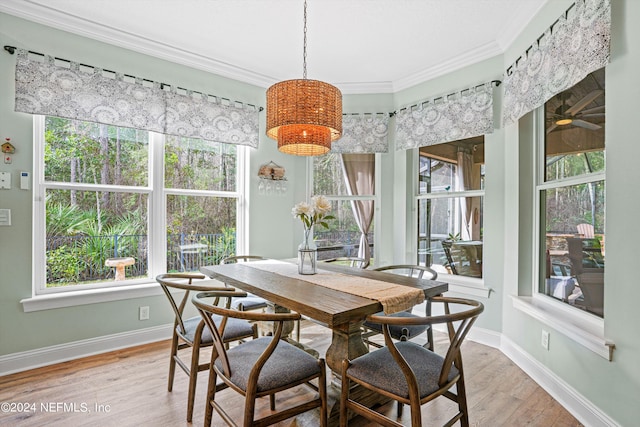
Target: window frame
[375, 197]
[580, 326]
[472, 286]
[44, 298]
[575, 315]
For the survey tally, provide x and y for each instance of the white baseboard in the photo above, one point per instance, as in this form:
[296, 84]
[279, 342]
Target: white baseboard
[17, 362]
[580, 407]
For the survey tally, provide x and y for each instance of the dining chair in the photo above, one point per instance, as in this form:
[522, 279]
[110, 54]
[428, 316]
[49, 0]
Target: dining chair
[257, 368]
[251, 302]
[407, 331]
[350, 261]
[191, 332]
[409, 373]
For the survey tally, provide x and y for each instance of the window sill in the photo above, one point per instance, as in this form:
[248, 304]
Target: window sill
[465, 285]
[89, 296]
[583, 328]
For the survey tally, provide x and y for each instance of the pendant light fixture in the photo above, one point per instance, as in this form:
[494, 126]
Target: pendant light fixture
[303, 115]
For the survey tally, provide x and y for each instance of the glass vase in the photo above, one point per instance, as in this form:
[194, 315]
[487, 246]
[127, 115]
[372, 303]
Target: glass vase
[307, 254]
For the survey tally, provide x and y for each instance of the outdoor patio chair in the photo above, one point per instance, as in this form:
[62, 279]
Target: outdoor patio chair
[462, 259]
[585, 230]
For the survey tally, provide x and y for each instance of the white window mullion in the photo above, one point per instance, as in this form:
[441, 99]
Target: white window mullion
[39, 270]
[157, 234]
[242, 197]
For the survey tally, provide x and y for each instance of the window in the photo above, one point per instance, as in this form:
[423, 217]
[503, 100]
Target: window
[119, 206]
[353, 204]
[571, 190]
[450, 200]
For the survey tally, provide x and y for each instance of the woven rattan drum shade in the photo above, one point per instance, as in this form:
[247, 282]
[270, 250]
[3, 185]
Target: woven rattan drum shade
[304, 116]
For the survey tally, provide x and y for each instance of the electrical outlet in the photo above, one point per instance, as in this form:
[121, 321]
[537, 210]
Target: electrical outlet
[144, 313]
[545, 339]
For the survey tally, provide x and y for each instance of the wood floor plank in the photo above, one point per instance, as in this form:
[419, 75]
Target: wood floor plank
[129, 388]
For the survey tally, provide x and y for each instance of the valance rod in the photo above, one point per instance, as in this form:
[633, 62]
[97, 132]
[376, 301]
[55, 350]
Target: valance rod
[393, 113]
[12, 50]
[550, 29]
[369, 114]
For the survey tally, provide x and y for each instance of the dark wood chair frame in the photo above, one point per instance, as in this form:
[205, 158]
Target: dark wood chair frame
[251, 393]
[457, 333]
[179, 339]
[417, 271]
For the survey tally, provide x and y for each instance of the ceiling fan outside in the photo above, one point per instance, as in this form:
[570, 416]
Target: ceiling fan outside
[575, 114]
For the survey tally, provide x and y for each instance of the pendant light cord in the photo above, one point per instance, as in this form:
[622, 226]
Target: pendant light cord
[304, 45]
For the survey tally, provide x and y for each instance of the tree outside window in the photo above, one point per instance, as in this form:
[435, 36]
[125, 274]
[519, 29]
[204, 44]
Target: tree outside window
[102, 202]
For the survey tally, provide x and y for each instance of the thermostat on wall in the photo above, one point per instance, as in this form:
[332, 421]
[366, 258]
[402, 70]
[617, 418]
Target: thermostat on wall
[25, 179]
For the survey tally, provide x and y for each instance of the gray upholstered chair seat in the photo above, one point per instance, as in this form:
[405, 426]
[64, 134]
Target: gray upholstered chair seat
[379, 369]
[251, 302]
[260, 367]
[234, 329]
[287, 365]
[397, 330]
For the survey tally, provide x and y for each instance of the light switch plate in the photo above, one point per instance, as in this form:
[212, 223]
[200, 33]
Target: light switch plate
[5, 179]
[5, 217]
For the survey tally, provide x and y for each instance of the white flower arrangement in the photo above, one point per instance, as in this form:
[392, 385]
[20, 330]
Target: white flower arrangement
[316, 212]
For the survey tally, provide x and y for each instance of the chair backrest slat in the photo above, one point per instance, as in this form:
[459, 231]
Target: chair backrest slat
[458, 325]
[220, 307]
[170, 281]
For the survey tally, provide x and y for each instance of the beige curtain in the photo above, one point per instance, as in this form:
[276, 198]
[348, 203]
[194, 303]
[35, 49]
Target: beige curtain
[468, 176]
[359, 176]
[464, 172]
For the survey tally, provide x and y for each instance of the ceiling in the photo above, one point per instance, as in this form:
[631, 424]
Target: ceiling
[361, 46]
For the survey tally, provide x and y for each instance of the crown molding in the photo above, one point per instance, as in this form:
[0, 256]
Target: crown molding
[468, 58]
[129, 40]
[511, 31]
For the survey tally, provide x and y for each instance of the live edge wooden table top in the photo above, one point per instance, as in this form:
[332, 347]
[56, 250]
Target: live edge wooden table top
[343, 312]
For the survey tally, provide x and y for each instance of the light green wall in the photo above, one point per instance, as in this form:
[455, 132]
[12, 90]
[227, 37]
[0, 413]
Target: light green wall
[614, 387]
[403, 200]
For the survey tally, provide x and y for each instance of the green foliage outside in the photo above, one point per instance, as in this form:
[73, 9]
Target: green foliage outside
[85, 226]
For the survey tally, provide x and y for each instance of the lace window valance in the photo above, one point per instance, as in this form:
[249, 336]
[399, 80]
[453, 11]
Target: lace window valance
[363, 133]
[576, 45]
[91, 94]
[195, 115]
[462, 115]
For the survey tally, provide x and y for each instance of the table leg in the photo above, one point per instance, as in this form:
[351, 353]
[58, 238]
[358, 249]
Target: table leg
[346, 343]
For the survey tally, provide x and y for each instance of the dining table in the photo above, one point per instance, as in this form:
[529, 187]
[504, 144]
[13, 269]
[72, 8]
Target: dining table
[333, 297]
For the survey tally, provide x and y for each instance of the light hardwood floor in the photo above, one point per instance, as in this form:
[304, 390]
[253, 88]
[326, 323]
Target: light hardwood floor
[128, 388]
